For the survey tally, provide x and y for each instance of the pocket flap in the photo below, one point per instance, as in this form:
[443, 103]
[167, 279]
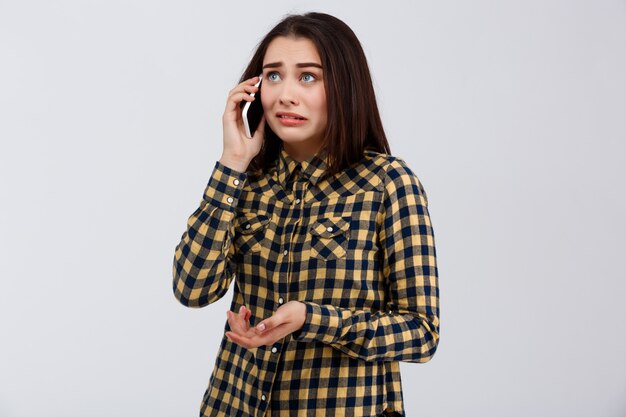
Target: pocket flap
[251, 222]
[329, 227]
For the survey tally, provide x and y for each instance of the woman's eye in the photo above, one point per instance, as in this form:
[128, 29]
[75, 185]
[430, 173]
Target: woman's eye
[269, 76]
[307, 78]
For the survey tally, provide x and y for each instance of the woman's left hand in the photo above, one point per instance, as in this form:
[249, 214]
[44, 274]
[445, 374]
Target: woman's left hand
[288, 318]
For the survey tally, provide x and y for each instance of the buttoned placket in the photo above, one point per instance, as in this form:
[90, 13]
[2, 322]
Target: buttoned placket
[297, 183]
[298, 188]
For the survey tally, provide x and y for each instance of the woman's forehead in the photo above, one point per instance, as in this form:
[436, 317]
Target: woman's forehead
[290, 51]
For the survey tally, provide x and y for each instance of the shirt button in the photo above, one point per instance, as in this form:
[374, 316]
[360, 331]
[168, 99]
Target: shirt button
[274, 350]
[329, 228]
[248, 226]
[280, 300]
[297, 201]
[285, 252]
[229, 199]
[236, 182]
[263, 397]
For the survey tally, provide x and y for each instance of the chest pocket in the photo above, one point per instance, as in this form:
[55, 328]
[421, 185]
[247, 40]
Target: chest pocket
[329, 238]
[250, 232]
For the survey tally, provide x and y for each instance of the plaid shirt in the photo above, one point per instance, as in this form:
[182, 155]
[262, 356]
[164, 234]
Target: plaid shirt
[357, 248]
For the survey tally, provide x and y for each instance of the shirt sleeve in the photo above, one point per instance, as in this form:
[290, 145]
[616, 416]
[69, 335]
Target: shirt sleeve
[409, 328]
[203, 267]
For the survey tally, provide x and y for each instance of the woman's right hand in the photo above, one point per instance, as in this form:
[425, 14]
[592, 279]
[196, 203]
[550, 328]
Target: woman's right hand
[239, 149]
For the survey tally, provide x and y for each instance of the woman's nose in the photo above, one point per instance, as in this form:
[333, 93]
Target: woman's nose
[288, 94]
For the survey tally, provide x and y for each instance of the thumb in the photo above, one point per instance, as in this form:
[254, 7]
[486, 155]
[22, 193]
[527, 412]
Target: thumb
[264, 325]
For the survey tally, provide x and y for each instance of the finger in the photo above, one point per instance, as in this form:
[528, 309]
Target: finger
[248, 85]
[238, 324]
[235, 324]
[231, 322]
[268, 324]
[256, 340]
[234, 100]
[243, 89]
[240, 96]
[243, 313]
[252, 80]
[247, 319]
[239, 340]
[250, 88]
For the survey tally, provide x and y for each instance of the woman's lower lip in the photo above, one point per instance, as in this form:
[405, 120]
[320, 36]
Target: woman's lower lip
[291, 122]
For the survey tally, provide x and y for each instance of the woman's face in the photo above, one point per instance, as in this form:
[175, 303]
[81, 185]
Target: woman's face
[293, 83]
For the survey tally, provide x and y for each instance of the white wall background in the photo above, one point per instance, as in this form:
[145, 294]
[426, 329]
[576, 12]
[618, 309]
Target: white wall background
[512, 113]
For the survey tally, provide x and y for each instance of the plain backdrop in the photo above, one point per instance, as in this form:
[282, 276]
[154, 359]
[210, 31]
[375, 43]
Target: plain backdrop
[511, 113]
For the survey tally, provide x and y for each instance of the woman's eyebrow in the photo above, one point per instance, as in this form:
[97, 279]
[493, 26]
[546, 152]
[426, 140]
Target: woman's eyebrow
[299, 65]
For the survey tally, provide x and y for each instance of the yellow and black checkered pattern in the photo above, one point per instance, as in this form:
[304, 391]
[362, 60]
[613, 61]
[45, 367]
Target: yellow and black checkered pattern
[357, 248]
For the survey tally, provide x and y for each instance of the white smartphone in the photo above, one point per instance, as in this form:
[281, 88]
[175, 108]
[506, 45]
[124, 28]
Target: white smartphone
[252, 111]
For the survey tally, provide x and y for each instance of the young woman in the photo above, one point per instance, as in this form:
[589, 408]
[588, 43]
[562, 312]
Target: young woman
[326, 235]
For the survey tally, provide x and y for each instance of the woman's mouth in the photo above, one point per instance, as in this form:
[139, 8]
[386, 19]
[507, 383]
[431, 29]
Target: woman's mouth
[290, 119]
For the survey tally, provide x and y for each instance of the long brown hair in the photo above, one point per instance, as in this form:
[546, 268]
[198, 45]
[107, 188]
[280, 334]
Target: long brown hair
[353, 123]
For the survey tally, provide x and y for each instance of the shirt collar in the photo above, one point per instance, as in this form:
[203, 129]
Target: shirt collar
[312, 169]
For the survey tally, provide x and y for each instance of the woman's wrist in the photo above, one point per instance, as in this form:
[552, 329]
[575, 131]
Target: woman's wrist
[234, 164]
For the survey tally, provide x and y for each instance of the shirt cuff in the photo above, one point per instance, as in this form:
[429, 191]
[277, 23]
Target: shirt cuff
[322, 324]
[224, 187]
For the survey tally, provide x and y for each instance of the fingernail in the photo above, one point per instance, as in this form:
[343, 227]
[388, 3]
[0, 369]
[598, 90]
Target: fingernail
[240, 309]
[261, 327]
